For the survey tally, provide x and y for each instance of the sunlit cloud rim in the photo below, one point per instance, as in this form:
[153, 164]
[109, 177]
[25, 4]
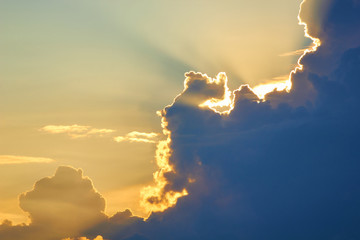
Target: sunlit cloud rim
[155, 197]
[262, 89]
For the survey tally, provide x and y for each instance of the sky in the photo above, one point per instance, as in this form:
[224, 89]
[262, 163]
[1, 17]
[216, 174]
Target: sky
[144, 120]
[112, 65]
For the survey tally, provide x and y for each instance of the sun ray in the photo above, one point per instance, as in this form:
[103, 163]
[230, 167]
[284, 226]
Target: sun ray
[226, 105]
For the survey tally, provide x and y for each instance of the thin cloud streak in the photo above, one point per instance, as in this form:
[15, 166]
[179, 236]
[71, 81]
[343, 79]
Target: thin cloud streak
[84, 238]
[75, 131]
[11, 159]
[294, 53]
[139, 137]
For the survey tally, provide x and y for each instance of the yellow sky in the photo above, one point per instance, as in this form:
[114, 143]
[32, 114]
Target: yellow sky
[109, 65]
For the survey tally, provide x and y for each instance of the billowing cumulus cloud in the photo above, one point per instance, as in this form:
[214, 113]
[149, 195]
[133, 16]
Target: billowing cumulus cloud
[75, 131]
[283, 168]
[235, 166]
[66, 202]
[13, 159]
[59, 206]
[140, 137]
[67, 206]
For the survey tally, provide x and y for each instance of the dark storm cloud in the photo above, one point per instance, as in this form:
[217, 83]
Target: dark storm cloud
[271, 171]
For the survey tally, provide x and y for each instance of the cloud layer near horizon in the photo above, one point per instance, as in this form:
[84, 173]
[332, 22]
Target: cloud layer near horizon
[286, 168]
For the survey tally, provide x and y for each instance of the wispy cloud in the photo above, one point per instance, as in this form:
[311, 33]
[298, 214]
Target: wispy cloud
[84, 238]
[80, 131]
[294, 53]
[138, 137]
[76, 131]
[281, 78]
[10, 159]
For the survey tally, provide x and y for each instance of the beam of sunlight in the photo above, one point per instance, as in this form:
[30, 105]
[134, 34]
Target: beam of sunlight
[225, 106]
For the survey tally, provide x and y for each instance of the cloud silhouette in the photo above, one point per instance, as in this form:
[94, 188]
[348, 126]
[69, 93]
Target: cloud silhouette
[67, 206]
[284, 168]
[59, 206]
[67, 202]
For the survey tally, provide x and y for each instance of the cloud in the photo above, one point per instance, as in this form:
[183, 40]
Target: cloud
[138, 137]
[11, 159]
[84, 238]
[75, 131]
[79, 131]
[293, 53]
[67, 206]
[67, 201]
[59, 206]
[283, 168]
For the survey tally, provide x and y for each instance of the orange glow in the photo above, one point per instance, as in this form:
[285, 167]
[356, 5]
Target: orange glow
[115, 200]
[14, 218]
[155, 198]
[84, 238]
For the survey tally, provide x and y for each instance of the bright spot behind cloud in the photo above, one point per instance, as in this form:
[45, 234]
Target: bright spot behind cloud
[263, 89]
